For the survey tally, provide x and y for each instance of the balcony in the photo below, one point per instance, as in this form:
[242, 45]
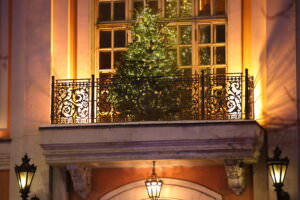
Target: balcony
[183, 117]
[196, 97]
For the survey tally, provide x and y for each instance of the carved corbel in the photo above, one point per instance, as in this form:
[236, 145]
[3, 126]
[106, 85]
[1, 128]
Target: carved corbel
[81, 179]
[236, 175]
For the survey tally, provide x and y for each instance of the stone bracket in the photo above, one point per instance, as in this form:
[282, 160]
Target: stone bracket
[236, 175]
[81, 179]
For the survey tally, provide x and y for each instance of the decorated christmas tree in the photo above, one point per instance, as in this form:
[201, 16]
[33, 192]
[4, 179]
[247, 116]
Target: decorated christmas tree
[144, 86]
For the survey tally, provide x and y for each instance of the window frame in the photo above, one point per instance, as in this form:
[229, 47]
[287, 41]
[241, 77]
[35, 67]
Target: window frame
[112, 49]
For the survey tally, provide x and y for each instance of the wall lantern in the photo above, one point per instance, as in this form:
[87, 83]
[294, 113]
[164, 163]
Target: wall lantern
[153, 185]
[25, 173]
[277, 168]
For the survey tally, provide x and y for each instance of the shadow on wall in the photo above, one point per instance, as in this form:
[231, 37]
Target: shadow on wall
[279, 54]
[280, 89]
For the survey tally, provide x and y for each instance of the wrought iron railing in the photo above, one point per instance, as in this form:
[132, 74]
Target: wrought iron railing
[197, 97]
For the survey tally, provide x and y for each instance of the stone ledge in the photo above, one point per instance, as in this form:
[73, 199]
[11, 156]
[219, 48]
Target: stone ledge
[152, 140]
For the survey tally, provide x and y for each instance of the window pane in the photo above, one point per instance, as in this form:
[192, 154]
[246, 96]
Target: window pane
[204, 8]
[137, 6]
[105, 60]
[204, 56]
[220, 7]
[120, 38]
[119, 11]
[204, 34]
[105, 39]
[220, 33]
[118, 58]
[185, 34]
[185, 8]
[153, 4]
[186, 56]
[104, 11]
[171, 8]
[220, 55]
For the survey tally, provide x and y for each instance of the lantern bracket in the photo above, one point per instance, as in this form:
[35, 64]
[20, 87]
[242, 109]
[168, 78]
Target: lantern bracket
[236, 175]
[81, 179]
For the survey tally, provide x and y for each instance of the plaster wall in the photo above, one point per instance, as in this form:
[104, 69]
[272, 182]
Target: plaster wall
[84, 38]
[60, 39]
[105, 180]
[4, 184]
[272, 44]
[234, 38]
[257, 54]
[67, 34]
[4, 38]
[30, 104]
[281, 105]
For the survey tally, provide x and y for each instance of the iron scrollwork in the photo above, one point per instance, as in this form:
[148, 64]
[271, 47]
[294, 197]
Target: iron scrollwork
[223, 97]
[196, 97]
[71, 101]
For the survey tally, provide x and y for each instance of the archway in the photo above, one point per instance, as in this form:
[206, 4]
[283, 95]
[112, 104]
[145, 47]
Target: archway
[173, 189]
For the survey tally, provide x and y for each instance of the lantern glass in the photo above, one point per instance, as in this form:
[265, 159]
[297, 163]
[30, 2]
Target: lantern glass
[153, 185]
[277, 172]
[25, 173]
[154, 188]
[25, 179]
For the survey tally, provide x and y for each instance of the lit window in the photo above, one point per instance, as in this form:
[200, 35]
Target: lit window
[198, 27]
[211, 7]
[178, 8]
[111, 11]
[212, 47]
[111, 48]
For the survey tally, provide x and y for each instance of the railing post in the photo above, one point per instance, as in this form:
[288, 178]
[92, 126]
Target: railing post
[246, 95]
[93, 99]
[202, 95]
[52, 99]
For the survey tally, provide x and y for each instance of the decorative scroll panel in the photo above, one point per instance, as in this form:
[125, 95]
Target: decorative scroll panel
[72, 101]
[223, 97]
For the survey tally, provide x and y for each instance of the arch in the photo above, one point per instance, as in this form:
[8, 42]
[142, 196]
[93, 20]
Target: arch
[173, 189]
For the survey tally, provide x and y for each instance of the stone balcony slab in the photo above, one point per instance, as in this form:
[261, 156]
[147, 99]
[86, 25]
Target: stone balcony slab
[86, 143]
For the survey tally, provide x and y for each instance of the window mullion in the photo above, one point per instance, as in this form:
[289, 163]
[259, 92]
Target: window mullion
[178, 8]
[212, 7]
[111, 11]
[112, 49]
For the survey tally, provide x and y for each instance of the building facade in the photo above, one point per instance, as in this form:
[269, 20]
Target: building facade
[57, 58]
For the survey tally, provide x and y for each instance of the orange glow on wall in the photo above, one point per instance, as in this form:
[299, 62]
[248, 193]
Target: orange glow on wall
[213, 177]
[72, 38]
[256, 68]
